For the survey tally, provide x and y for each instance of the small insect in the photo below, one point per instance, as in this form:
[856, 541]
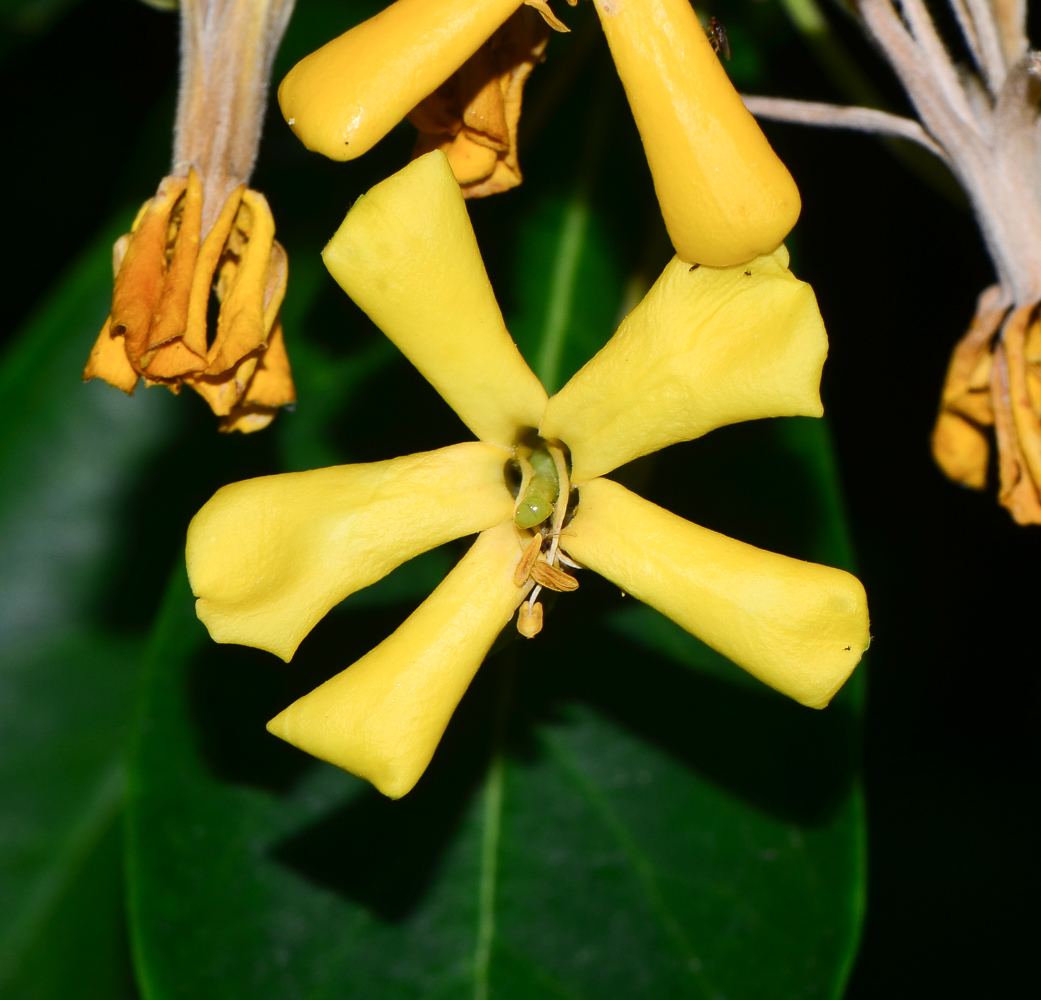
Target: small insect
[694, 267]
[717, 36]
[748, 274]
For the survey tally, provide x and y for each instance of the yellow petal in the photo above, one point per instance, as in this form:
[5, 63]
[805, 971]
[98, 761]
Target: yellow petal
[705, 348]
[797, 626]
[406, 253]
[725, 195]
[269, 557]
[345, 97]
[383, 717]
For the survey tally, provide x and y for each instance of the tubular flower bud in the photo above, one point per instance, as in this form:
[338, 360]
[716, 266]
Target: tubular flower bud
[205, 233]
[343, 98]
[725, 195]
[267, 558]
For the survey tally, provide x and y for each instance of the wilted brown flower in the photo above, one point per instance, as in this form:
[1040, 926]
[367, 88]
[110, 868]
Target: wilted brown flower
[984, 124]
[473, 115]
[206, 234]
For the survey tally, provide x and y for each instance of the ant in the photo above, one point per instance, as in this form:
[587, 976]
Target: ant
[717, 36]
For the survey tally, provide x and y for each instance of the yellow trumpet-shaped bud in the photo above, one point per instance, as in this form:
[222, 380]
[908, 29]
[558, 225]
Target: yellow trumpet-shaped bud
[406, 253]
[383, 717]
[346, 96]
[797, 626]
[725, 195]
[706, 347]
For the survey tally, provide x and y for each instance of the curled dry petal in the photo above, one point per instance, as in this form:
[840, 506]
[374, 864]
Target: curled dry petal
[705, 348]
[1017, 491]
[473, 116]
[204, 232]
[346, 96]
[1016, 421]
[383, 717]
[797, 626]
[960, 445]
[268, 557]
[407, 255]
[164, 277]
[725, 195]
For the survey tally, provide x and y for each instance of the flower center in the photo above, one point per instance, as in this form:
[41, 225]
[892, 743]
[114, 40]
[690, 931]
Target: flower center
[544, 499]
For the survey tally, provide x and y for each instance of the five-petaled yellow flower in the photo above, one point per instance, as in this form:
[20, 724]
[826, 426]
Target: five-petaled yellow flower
[706, 347]
[725, 195]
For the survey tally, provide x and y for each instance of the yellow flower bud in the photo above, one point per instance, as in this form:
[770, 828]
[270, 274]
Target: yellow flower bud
[725, 195]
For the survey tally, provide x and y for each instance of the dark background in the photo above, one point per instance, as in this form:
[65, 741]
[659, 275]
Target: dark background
[950, 744]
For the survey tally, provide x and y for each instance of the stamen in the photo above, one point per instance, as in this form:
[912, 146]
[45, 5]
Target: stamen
[552, 578]
[527, 560]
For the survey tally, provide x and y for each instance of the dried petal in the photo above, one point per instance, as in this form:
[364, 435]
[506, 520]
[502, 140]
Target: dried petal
[961, 449]
[139, 284]
[1027, 425]
[967, 388]
[108, 360]
[1017, 491]
[171, 314]
[480, 106]
[240, 323]
[202, 283]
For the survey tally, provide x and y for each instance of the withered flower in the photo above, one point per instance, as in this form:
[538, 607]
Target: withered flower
[205, 233]
[985, 126]
[473, 116]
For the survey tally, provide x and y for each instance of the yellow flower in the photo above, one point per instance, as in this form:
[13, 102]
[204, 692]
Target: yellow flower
[706, 347]
[205, 233]
[725, 195]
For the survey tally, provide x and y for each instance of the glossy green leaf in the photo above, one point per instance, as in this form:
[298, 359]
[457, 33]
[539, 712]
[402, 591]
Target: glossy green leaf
[71, 456]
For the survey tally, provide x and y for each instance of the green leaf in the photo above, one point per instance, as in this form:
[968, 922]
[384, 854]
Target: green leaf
[70, 457]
